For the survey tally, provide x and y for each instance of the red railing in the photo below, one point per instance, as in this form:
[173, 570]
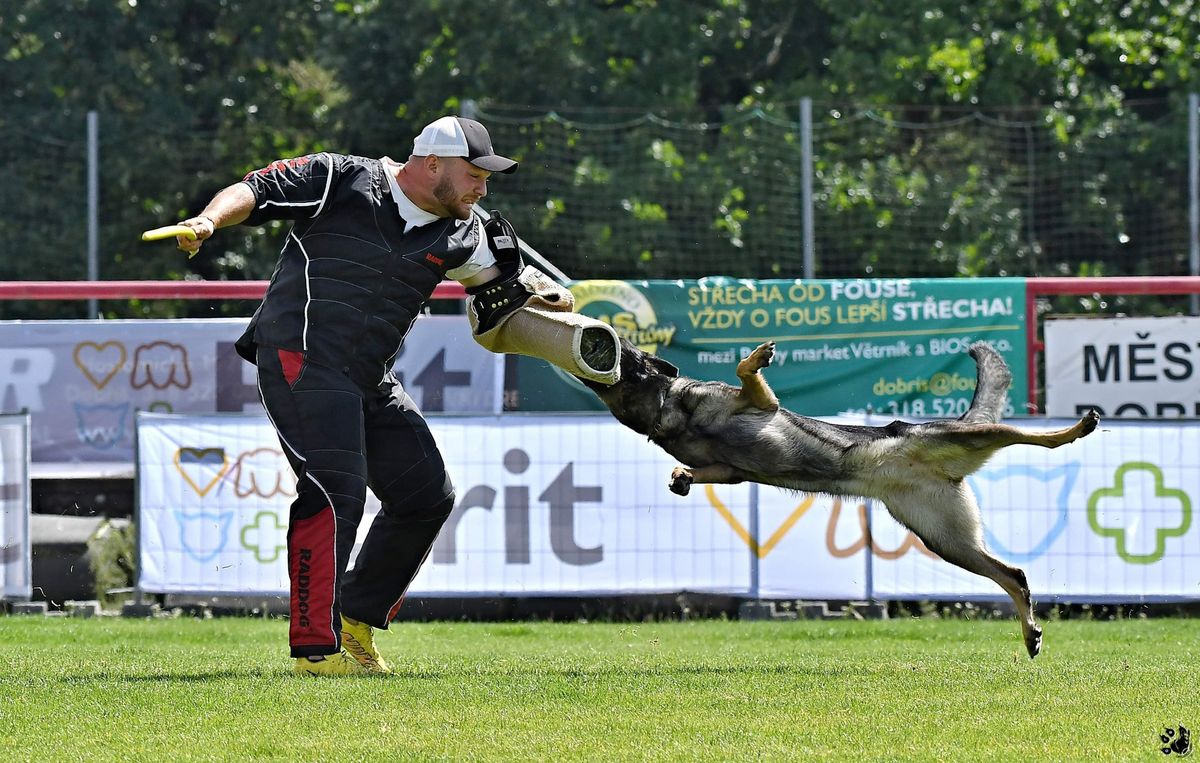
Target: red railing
[1034, 288]
[162, 290]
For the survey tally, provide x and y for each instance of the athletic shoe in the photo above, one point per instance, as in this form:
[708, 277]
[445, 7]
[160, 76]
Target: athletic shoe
[358, 640]
[340, 664]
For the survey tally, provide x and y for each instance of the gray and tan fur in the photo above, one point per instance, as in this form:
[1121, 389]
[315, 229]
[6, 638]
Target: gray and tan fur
[727, 434]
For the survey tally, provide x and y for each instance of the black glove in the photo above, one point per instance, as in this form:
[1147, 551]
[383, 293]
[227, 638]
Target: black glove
[504, 294]
[505, 245]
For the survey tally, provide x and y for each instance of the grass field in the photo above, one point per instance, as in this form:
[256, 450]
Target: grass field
[927, 689]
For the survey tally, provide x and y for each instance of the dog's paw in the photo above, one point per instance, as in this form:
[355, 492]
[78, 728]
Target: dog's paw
[1090, 422]
[1033, 641]
[681, 481]
[762, 356]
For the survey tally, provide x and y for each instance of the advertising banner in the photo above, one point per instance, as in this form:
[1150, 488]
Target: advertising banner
[894, 347]
[562, 505]
[82, 381]
[1109, 517]
[16, 581]
[544, 505]
[1123, 367]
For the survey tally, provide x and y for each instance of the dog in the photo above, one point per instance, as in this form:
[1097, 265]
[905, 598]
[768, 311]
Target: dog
[726, 434]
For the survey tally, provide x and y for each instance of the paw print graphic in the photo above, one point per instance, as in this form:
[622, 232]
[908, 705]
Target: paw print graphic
[1175, 741]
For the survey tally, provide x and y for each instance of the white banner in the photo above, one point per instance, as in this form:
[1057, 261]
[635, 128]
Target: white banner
[1107, 517]
[547, 504]
[1123, 367]
[550, 505]
[82, 381]
[16, 580]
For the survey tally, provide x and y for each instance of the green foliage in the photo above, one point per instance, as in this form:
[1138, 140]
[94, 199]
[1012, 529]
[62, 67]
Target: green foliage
[112, 558]
[193, 94]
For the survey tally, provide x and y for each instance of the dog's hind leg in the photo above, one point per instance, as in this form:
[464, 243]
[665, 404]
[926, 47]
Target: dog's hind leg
[946, 519]
[755, 392]
[960, 448]
[682, 477]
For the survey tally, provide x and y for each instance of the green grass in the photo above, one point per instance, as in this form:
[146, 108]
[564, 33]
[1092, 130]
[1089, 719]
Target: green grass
[928, 689]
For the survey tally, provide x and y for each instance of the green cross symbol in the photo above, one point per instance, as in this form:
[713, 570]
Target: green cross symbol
[265, 526]
[1118, 533]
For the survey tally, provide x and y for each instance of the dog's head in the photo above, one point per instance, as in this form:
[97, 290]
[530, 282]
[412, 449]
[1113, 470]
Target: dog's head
[636, 399]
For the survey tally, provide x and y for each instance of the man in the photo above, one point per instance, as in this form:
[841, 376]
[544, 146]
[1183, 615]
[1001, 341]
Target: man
[370, 241]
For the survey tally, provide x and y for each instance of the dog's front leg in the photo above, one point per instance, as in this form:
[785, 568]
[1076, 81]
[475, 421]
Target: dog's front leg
[755, 391]
[682, 477]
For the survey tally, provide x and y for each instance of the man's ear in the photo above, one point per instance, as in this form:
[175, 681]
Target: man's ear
[661, 366]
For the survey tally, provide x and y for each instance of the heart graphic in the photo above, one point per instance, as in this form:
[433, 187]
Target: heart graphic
[207, 465]
[765, 548]
[99, 362]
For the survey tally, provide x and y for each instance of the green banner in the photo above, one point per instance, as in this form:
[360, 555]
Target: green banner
[894, 347]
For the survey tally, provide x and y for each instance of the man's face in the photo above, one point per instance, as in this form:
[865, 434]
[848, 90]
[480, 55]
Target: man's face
[460, 186]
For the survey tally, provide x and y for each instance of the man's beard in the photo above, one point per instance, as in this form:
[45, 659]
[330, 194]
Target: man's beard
[444, 193]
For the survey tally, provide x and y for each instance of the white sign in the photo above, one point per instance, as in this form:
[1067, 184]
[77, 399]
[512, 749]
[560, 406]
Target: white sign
[82, 381]
[546, 504]
[579, 505]
[16, 580]
[1124, 367]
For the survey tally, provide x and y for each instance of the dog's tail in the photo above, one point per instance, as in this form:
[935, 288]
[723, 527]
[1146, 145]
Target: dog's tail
[991, 386]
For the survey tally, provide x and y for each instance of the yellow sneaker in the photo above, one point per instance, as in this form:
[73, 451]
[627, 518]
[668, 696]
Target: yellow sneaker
[358, 640]
[340, 664]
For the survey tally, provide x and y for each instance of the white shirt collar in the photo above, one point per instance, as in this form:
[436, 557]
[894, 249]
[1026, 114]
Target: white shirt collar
[414, 216]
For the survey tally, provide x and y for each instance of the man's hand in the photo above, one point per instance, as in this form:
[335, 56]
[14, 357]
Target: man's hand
[204, 228]
[230, 206]
[505, 245]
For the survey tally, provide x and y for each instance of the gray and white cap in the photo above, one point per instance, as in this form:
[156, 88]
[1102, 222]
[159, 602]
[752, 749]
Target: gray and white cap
[459, 136]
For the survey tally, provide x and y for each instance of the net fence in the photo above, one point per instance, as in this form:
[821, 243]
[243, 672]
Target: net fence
[977, 194]
[602, 194]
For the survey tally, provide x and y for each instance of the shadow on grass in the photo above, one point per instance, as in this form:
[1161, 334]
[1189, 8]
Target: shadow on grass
[197, 677]
[453, 675]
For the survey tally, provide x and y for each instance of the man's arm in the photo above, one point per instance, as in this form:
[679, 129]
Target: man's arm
[230, 206]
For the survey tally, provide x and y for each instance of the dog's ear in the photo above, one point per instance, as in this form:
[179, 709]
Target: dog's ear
[661, 366]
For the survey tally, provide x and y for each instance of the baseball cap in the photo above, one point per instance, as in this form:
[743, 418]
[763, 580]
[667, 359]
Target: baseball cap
[459, 136]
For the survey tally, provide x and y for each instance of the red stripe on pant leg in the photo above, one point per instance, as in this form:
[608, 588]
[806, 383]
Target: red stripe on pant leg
[395, 610]
[292, 362]
[312, 567]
